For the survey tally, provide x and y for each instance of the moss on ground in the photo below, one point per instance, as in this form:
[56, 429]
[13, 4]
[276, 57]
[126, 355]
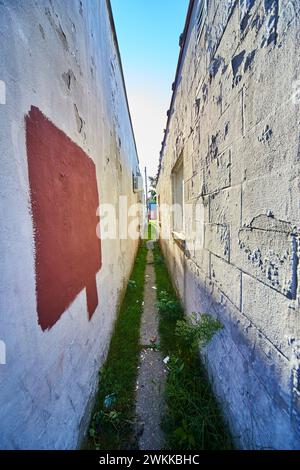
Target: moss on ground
[112, 421]
[192, 420]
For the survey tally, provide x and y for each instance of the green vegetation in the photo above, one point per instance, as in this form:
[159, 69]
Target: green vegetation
[112, 420]
[151, 233]
[192, 420]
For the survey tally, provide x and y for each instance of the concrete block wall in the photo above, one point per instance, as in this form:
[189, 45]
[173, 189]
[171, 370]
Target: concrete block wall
[59, 61]
[234, 117]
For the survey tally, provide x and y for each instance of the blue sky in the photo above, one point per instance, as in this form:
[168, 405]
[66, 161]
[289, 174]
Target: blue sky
[148, 33]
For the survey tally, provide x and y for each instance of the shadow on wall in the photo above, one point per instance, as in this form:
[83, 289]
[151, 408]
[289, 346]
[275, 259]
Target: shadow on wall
[241, 346]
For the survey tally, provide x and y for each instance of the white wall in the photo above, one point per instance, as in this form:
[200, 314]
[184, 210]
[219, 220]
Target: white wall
[50, 376]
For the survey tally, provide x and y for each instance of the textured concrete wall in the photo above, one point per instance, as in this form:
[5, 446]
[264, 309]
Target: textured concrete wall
[58, 57]
[235, 119]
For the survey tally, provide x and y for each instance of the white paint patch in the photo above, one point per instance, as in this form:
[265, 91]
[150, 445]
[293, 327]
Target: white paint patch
[2, 92]
[2, 353]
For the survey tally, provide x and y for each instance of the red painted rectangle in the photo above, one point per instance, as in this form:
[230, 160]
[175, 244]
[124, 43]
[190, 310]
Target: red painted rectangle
[64, 202]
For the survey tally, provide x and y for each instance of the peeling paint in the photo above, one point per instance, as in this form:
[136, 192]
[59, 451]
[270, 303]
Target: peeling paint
[79, 120]
[42, 31]
[257, 23]
[245, 9]
[266, 135]
[68, 77]
[271, 246]
[58, 29]
[249, 60]
[236, 63]
[215, 66]
[213, 147]
[272, 11]
[224, 69]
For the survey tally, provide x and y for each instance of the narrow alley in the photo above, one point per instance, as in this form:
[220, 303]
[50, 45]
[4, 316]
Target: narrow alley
[161, 360]
[152, 369]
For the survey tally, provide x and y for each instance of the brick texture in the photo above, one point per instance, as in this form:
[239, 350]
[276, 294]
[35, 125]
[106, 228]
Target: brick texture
[235, 119]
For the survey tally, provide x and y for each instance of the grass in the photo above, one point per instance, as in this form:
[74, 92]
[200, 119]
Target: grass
[151, 230]
[192, 420]
[111, 426]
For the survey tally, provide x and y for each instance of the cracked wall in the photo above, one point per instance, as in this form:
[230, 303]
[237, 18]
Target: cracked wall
[234, 117]
[60, 64]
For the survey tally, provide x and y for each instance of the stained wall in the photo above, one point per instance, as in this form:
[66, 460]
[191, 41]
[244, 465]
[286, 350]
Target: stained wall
[67, 145]
[234, 120]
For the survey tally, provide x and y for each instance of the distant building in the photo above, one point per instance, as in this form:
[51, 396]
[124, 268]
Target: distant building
[152, 210]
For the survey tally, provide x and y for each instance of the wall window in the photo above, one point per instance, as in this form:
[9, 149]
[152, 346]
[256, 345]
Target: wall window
[178, 197]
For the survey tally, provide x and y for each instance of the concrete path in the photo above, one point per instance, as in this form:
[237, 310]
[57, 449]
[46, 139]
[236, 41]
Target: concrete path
[152, 373]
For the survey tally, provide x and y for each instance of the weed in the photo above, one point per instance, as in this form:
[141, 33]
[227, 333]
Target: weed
[192, 419]
[132, 284]
[168, 306]
[193, 332]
